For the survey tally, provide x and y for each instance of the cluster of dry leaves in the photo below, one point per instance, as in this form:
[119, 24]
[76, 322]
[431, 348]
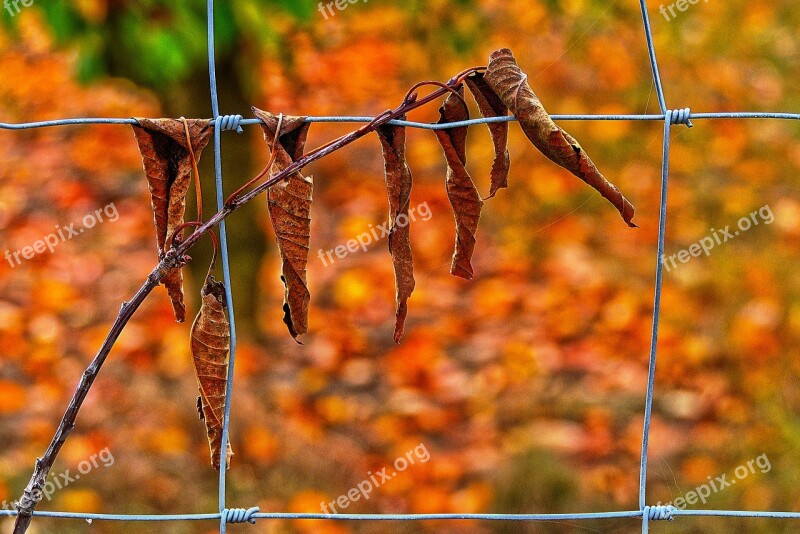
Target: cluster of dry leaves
[170, 149]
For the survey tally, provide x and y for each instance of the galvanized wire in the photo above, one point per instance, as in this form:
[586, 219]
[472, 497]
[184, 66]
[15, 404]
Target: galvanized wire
[428, 125]
[669, 117]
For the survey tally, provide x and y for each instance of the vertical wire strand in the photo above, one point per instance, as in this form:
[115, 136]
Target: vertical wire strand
[212, 74]
[651, 50]
[651, 374]
[662, 225]
[226, 274]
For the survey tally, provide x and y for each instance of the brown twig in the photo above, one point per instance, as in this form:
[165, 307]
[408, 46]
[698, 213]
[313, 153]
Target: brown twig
[33, 492]
[410, 93]
[176, 256]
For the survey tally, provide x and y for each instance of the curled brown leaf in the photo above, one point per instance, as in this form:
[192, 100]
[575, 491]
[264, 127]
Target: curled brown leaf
[168, 165]
[508, 81]
[461, 190]
[490, 105]
[210, 344]
[398, 187]
[289, 203]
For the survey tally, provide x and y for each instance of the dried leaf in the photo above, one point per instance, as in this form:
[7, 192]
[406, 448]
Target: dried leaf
[398, 187]
[289, 203]
[210, 352]
[168, 166]
[509, 82]
[490, 105]
[461, 190]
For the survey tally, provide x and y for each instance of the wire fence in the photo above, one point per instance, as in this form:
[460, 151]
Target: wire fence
[646, 513]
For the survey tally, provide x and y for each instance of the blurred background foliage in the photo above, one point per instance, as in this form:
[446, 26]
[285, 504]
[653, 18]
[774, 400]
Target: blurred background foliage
[526, 384]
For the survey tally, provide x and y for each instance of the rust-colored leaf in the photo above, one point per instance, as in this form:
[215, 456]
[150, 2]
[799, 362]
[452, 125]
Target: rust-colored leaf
[398, 188]
[490, 105]
[461, 190]
[210, 342]
[168, 166]
[289, 203]
[509, 82]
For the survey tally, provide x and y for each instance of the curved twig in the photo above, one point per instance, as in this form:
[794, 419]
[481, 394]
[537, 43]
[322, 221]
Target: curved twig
[198, 189]
[214, 241]
[450, 89]
[266, 168]
[459, 78]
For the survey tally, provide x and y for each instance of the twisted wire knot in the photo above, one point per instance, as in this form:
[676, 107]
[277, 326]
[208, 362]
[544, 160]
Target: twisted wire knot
[681, 116]
[660, 513]
[240, 515]
[230, 122]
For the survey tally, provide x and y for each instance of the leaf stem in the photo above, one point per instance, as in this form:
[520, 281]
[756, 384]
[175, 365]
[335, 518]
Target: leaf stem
[267, 167]
[198, 190]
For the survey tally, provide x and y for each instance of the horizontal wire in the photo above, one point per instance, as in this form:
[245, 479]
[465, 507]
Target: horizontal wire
[738, 513]
[410, 517]
[341, 517]
[118, 517]
[63, 122]
[429, 126]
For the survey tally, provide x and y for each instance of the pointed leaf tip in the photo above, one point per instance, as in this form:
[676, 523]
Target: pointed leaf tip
[210, 346]
[398, 187]
[491, 105]
[461, 191]
[168, 167]
[289, 203]
[508, 81]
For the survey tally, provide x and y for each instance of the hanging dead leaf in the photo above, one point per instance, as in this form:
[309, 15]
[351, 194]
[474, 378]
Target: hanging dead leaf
[509, 82]
[289, 203]
[168, 166]
[398, 187]
[210, 343]
[490, 105]
[461, 190]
